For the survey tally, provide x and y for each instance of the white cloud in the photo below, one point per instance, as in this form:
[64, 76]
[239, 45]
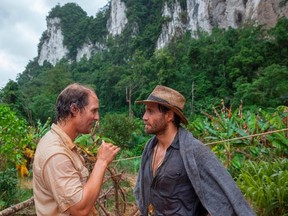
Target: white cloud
[10, 66]
[39, 7]
[21, 26]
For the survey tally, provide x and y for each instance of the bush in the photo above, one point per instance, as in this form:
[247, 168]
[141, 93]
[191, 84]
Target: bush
[8, 187]
[15, 138]
[122, 130]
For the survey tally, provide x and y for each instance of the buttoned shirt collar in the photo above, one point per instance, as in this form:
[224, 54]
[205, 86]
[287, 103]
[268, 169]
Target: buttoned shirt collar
[175, 143]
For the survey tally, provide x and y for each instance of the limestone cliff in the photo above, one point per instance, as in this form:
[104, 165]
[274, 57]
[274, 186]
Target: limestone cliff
[206, 14]
[118, 19]
[53, 49]
[196, 15]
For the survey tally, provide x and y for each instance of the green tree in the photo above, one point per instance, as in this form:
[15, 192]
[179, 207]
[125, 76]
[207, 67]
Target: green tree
[41, 91]
[14, 98]
[15, 136]
[277, 43]
[270, 89]
[111, 99]
[133, 79]
[119, 128]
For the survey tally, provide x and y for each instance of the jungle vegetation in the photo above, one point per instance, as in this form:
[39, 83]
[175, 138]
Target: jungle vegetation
[234, 80]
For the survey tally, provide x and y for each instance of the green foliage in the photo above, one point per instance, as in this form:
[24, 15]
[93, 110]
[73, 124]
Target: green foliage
[278, 119]
[128, 164]
[15, 137]
[11, 189]
[258, 162]
[8, 187]
[97, 27]
[123, 132]
[129, 158]
[247, 64]
[41, 129]
[118, 129]
[232, 134]
[281, 36]
[115, 101]
[121, 129]
[264, 87]
[39, 94]
[265, 184]
[14, 98]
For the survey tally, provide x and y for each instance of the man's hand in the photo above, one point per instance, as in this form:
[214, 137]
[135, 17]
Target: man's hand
[107, 152]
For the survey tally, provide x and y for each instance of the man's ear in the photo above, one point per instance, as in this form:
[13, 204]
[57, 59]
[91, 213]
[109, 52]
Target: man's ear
[170, 115]
[74, 108]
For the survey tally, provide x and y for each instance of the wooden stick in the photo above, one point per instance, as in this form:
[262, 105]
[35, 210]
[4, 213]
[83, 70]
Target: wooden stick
[17, 207]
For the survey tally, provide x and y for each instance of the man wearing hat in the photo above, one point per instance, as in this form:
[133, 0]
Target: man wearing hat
[178, 174]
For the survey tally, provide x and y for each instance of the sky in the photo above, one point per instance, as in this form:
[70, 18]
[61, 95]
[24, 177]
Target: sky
[22, 23]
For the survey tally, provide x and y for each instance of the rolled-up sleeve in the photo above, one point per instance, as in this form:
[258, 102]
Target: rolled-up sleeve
[64, 181]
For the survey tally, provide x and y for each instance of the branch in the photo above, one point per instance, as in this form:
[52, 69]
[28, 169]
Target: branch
[17, 207]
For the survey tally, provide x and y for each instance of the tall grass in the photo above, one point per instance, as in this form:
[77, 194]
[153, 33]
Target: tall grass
[265, 184]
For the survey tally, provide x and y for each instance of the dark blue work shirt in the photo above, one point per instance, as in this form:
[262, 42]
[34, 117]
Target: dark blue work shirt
[171, 191]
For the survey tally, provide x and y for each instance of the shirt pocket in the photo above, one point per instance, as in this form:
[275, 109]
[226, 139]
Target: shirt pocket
[172, 175]
[174, 168]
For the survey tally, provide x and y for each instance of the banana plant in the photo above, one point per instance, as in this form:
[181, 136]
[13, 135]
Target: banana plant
[238, 135]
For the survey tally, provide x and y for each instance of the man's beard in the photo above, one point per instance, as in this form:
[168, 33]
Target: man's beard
[158, 128]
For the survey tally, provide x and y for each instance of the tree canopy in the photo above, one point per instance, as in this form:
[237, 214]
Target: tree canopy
[247, 65]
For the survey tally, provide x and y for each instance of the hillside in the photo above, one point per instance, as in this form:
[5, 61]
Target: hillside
[209, 51]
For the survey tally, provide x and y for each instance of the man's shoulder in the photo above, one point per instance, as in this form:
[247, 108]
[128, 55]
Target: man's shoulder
[189, 143]
[48, 139]
[187, 136]
[49, 144]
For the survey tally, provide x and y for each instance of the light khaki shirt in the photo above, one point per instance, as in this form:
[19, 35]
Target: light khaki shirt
[58, 174]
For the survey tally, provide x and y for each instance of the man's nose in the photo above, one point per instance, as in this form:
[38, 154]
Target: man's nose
[144, 117]
[96, 117]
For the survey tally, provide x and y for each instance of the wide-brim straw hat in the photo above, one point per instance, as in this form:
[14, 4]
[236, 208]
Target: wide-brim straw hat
[169, 98]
